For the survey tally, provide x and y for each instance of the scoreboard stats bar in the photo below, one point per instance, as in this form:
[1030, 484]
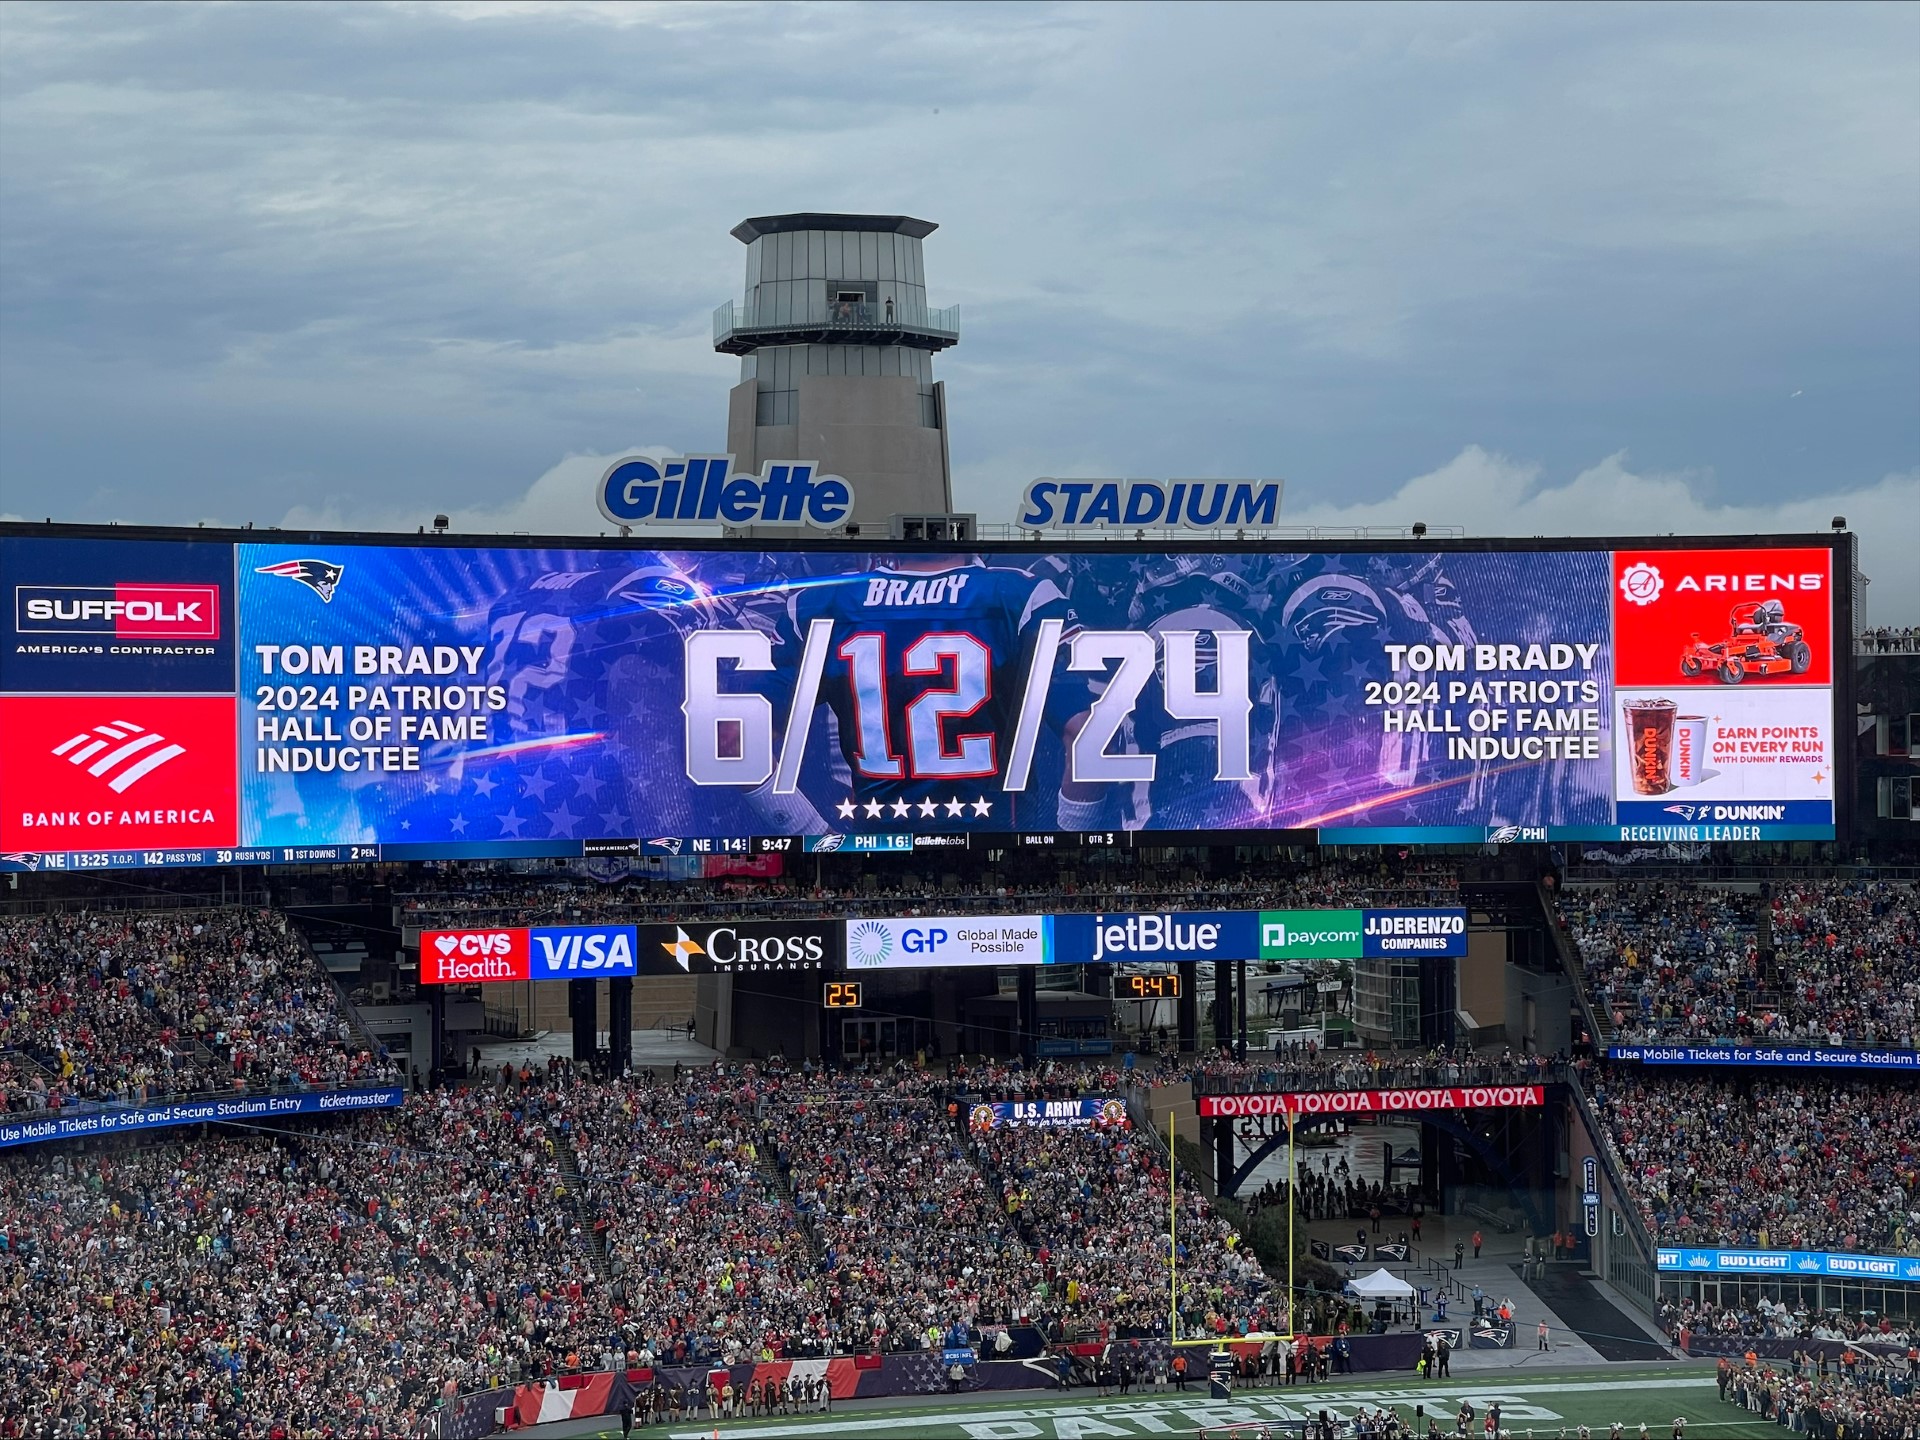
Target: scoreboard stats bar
[199, 697]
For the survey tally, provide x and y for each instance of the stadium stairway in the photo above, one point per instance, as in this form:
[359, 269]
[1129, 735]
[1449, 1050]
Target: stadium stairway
[567, 1160]
[765, 1153]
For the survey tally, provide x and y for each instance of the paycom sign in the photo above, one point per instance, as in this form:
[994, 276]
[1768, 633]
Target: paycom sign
[1362, 934]
[1310, 934]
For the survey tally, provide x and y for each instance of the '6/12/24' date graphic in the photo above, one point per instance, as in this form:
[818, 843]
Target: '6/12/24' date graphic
[918, 714]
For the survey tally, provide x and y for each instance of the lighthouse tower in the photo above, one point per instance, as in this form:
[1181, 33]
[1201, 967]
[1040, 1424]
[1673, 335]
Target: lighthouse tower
[836, 345]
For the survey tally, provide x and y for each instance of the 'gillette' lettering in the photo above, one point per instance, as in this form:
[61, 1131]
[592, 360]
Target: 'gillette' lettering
[699, 490]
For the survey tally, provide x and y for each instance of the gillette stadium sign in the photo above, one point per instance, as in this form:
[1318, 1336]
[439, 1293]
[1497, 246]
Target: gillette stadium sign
[703, 490]
[1173, 504]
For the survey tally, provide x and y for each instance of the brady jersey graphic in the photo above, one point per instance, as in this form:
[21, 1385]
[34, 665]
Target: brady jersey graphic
[113, 772]
[923, 669]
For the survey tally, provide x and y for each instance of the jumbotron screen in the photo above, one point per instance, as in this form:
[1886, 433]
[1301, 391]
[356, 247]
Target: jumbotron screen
[195, 697]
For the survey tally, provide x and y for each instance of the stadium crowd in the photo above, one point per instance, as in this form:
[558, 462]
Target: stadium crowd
[113, 1005]
[1668, 961]
[1090, 1203]
[1801, 1164]
[282, 1284]
[483, 894]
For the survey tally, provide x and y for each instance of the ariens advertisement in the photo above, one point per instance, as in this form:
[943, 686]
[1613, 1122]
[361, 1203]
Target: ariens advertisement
[186, 700]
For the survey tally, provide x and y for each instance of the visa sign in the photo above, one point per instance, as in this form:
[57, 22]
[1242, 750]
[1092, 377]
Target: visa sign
[581, 952]
[542, 952]
[1183, 504]
[701, 490]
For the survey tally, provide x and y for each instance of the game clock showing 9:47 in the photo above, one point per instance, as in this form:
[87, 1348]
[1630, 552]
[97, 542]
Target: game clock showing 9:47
[1147, 987]
[840, 995]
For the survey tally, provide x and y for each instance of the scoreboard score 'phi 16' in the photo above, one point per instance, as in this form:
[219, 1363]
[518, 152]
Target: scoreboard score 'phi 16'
[196, 698]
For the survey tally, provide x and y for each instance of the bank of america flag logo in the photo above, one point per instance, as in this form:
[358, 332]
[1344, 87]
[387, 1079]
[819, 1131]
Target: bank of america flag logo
[132, 753]
[319, 576]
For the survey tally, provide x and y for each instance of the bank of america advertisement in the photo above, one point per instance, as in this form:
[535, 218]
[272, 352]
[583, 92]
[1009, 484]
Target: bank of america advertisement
[174, 694]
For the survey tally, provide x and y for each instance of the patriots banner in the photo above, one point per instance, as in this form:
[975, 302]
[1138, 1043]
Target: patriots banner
[323, 700]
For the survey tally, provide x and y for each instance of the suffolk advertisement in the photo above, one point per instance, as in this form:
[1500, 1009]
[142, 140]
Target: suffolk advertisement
[196, 701]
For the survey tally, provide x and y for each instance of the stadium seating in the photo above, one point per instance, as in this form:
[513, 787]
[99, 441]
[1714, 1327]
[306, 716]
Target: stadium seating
[1795, 1164]
[476, 895]
[104, 1005]
[1670, 961]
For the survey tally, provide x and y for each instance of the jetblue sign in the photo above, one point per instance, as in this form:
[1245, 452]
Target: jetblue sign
[1107, 939]
[1177, 504]
[1789, 1262]
[703, 490]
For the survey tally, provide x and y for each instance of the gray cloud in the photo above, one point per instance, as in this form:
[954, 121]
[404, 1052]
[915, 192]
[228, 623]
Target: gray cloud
[363, 260]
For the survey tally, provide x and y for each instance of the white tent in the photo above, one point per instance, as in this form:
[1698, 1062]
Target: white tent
[1381, 1286]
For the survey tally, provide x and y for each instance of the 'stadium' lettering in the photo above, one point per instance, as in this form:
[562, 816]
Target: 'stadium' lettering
[1052, 504]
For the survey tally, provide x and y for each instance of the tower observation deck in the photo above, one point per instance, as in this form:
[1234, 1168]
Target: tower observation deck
[836, 345]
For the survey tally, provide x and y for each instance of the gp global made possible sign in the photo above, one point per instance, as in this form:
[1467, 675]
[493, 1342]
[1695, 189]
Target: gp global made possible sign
[1358, 934]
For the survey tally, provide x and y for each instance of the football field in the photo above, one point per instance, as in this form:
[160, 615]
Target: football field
[1541, 1404]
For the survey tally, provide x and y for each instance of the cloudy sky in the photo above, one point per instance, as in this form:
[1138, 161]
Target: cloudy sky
[1527, 270]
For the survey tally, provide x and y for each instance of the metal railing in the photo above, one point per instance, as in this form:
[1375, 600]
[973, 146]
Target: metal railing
[819, 313]
[580, 904]
[1628, 1279]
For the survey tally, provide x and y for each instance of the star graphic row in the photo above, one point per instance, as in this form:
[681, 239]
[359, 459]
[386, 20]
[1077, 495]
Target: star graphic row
[954, 808]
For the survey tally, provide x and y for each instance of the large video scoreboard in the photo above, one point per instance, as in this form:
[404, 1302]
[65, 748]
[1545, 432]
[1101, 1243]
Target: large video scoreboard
[199, 697]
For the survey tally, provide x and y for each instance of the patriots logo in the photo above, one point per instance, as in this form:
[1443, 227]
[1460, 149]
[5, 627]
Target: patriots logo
[319, 576]
[21, 858]
[1685, 812]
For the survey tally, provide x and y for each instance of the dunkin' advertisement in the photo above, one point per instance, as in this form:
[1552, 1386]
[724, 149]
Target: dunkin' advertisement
[1723, 674]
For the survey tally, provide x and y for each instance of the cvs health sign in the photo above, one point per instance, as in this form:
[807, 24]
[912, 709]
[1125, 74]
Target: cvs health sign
[466, 957]
[519, 952]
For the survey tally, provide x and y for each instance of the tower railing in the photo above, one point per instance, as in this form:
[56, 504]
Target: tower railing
[817, 313]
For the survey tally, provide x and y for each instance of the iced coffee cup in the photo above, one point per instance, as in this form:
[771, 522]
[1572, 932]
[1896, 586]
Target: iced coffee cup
[1650, 745]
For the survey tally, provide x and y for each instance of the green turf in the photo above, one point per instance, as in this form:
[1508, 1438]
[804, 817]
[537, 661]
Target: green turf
[1537, 1401]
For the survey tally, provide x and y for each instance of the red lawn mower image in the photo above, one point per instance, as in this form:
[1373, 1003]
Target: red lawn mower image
[1761, 642]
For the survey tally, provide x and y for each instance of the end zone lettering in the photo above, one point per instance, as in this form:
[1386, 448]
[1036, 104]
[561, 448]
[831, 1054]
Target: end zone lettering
[1359, 1102]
